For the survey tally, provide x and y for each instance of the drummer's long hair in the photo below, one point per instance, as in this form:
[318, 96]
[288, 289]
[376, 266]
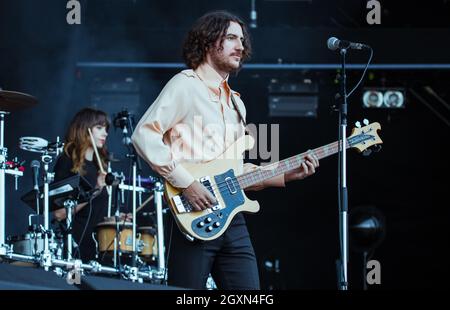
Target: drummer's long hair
[78, 139]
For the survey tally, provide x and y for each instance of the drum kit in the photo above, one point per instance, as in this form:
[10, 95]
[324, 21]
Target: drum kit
[119, 242]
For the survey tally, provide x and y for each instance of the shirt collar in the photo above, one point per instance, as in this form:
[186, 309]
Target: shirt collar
[210, 76]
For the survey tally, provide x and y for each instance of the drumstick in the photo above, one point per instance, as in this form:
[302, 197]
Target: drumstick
[99, 161]
[144, 203]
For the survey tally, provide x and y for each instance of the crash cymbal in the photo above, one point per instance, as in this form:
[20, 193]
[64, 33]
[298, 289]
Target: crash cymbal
[12, 101]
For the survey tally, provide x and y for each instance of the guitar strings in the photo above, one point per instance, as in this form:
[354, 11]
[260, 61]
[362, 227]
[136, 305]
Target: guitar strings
[319, 152]
[223, 184]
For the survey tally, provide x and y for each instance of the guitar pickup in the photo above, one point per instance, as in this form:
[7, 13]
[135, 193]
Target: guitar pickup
[181, 204]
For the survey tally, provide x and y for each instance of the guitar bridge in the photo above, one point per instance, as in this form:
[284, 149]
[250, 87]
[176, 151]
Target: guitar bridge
[184, 206]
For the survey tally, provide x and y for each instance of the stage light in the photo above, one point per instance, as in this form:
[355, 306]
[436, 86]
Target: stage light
[372, 99]
[367, 228]
[253, 16]
[384, 98]
[393, 99]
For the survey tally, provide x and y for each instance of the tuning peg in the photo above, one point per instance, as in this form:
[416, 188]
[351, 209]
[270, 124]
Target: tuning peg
[358, 124]
[365, 122]
[367, 152]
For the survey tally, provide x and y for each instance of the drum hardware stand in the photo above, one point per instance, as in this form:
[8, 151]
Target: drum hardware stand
[30, 225]
[19, 257]
[134, 214]
[134, 270]
[158, 194]
[69, 205]
[136, 189]
[110, 192]
[124, 120]
[16, 177]
[46, 259]
[34, 228]
[117, 245]
[139, 193]
[117, 253]
[3, 170]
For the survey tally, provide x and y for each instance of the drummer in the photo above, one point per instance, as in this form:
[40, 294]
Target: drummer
[79, 158]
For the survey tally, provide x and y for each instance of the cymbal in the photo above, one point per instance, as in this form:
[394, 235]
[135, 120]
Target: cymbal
[39, 145]
[13, 101]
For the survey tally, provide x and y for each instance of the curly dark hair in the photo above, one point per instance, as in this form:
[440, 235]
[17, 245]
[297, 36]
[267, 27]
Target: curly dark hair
[204, 34]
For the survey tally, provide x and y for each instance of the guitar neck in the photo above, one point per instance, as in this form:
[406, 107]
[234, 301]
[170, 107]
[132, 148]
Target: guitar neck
[266, 172]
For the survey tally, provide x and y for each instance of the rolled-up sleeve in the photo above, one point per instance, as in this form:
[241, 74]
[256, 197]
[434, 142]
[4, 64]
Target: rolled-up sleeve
[277, 181]
[167, 110]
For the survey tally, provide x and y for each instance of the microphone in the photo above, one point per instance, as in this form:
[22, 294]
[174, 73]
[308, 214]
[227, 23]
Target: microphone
[35, 165]
[126, 140]
[122, 121]
[334, 43]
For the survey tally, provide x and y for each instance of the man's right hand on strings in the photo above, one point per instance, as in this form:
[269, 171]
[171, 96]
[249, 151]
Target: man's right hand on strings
[199, 197]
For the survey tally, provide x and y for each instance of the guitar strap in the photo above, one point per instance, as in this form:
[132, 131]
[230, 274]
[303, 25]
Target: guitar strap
[239, 111]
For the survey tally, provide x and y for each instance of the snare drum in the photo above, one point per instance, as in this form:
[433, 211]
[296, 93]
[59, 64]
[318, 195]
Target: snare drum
[149, 243]
[106, 233]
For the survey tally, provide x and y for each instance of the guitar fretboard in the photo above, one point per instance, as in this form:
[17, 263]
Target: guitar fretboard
[266, 172]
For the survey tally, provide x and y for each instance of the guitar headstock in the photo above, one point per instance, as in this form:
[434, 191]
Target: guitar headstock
[365, 137]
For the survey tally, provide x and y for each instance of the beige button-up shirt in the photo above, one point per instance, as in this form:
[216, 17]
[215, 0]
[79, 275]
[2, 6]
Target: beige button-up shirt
[192, 120]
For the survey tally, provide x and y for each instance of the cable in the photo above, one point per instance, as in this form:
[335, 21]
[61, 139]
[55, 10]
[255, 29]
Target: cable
[364, 72]
[168, 249]
[85, 227]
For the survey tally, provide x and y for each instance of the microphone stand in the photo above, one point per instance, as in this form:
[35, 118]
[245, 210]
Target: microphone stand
[158, 192]
[136, 167]
[342, 263]
[136, 163]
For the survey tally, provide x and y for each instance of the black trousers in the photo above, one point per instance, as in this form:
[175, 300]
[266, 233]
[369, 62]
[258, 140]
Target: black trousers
[230, 259]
